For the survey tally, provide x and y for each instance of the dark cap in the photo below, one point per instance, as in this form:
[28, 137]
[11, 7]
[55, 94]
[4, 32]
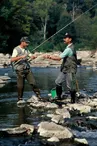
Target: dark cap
[24, 39]
[67, 35]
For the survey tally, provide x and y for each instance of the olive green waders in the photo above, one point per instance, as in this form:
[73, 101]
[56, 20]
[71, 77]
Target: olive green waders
[28, 75]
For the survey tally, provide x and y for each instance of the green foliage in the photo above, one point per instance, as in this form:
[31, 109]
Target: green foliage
[59, 46]
[64, 25]
[3, 42]
[54, 17]
[42, 19]
[46, 47]
[42, 9]
[79, 46]
[15, 18]
[93, 33]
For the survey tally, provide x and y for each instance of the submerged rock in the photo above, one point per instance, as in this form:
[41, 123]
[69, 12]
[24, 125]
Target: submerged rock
[50, 129]
[33, 99]
[58, 119]
[64, 112]
[50, 115]
[29, 128]
[23, 129]
[38, 104]
[5, 78]
[79, 107]
[93, 103]
[21, 103]
[81, 141]
[53, 139]
[14, 131]
[51, 105]
[17, 130]
[91, 118]
[35, 102]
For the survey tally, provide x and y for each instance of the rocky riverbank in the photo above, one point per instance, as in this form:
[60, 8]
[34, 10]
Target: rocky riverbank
[84, 58]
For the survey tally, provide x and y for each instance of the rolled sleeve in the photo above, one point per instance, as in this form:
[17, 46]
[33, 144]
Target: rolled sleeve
[15, 53]
[67, 52]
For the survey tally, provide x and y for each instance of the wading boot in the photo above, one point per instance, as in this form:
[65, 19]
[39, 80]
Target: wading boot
[73, 96]
[37, 92]
[59, 92]
[38, 95]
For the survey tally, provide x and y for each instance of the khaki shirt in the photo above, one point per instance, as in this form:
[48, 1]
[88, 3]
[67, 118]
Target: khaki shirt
[15, 52]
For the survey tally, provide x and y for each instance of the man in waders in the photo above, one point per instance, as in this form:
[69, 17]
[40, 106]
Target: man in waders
[68, 68]
[19, 59]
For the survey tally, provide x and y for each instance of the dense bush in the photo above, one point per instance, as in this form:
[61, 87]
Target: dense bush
[47, 19]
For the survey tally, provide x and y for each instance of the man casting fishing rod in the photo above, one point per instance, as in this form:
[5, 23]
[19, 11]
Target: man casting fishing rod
[68, 68]
[21, 66]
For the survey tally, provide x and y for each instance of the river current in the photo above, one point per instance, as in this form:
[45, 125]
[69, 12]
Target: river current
[12, 116]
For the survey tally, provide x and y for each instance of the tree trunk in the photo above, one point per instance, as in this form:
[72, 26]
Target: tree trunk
[73, 12]
[44, 29]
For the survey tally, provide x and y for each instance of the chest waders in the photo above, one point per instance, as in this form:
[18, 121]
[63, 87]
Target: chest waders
[23, 72]
[69, 66]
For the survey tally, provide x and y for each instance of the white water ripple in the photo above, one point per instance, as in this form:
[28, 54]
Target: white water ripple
[85, 134]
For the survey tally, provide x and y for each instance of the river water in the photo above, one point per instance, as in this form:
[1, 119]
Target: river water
[12, 116]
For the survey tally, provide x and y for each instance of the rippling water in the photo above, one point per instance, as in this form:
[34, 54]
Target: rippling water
[12, 116]
[45, 78]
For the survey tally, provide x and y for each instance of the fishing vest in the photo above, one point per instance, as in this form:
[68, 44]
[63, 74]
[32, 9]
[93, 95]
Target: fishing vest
[21, 64]
[69, 64]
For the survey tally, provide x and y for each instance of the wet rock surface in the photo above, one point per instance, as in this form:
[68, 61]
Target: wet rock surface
[80, 118]
[49, 129]
[66, 122]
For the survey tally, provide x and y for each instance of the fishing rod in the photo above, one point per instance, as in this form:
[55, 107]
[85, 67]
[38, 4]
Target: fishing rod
[61, 29]
[64, 27]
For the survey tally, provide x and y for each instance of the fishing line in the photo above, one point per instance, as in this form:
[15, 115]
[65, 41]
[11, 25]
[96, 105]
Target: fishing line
[64, 27]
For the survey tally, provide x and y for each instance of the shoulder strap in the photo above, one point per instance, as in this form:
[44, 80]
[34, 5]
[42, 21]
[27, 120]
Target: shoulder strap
[18, 50]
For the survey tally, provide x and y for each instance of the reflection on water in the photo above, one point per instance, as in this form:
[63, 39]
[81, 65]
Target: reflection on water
[45, 78]
[12, 116]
